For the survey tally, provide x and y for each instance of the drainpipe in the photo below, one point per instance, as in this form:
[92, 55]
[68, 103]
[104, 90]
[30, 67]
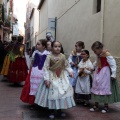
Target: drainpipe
[55, 26]
[102, 21]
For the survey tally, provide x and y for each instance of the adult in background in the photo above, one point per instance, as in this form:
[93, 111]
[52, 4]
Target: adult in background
[2, 53]
[18, 68]
[49, 36]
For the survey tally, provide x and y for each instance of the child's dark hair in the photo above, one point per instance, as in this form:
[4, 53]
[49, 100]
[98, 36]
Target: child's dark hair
[43, 42]
[97, 45]
[81, 44]
[49, 41]
[20, 39]
[62, 51]
[87, 52]
[54, 43]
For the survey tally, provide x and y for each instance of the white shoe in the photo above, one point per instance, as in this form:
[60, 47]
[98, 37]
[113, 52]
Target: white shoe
[51, 116]
[105, 110]
[92, 110]
[63, 114]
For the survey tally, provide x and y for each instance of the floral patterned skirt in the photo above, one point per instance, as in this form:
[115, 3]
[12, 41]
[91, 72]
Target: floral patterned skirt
[43, 101]
[113, 98]
[18, 70]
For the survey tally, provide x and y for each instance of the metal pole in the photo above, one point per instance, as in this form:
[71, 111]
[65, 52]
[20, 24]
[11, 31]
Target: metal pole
[55, 27]
[102, 21]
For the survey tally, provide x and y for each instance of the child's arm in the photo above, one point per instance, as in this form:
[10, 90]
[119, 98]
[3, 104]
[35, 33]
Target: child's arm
[89, 69]
[32, 59]
[112, 63]
[70, 60]
[46, 71]
[68, 69]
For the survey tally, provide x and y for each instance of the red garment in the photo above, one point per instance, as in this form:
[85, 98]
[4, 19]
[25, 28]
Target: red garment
[18, 70]
[25, 97]
[103, 62]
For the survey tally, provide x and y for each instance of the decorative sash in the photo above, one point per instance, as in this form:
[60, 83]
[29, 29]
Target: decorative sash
[57, 64]
[102, 60]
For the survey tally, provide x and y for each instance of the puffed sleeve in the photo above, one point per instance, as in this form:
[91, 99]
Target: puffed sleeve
[112, 63]
[91, 65]
[67, 68]
[70, 59]
[46, 68]
[32, 58]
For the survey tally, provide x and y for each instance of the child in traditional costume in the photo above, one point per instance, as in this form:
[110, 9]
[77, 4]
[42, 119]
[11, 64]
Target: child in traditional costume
[49, 48]
[36, 73]
[84, 79]
[104, 87]
[55, 92]
[18, 69]
[74, 59]
[6, 64]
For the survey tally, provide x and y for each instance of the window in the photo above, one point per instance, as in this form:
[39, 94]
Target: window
[97, 6]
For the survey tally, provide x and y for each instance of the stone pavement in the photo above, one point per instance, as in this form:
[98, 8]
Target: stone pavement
[11, 108]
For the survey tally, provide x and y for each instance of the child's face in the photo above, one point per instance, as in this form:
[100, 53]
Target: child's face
[78, 48]
[84, 56]
[39, 46]
[57, 48]
[97, 51]
[49, 46]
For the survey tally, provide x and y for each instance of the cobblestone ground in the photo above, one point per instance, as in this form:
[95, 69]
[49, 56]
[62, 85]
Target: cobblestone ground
[11, 108]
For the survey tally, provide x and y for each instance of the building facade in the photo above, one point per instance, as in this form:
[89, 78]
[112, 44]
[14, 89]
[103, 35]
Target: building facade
[34, 24]
[83, 20]
[31, 24]
[6, 13]
[27, 26]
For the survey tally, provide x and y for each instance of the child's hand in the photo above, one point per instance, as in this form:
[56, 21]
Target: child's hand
[71, 74]
[72, 64]
[47, 83]
[81, 69]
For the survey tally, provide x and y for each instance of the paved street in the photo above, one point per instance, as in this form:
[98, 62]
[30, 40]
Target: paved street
[11, 108]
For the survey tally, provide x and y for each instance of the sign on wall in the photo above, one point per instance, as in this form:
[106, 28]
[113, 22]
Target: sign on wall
[15, 29]
[51, 23]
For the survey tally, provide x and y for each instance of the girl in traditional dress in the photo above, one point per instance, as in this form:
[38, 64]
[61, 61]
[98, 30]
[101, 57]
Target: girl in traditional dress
[18, 68]
[74, 59]
[83, 81]
[49, 46]
[36, 73]
[104, 87]
[8, 58]
[55, 92]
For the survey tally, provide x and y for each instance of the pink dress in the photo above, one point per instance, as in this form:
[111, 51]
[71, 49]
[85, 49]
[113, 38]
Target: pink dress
[101, 81]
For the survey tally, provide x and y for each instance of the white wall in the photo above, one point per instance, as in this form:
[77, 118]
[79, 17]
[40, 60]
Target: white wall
[34, 26]
[112, 26]
[76, 21]
[43, 19]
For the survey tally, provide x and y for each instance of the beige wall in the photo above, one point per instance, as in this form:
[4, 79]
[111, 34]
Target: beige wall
[77, 20]
[112, 26]
[34, 26]
[79, 23]
[43, 19]
[56, 8]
